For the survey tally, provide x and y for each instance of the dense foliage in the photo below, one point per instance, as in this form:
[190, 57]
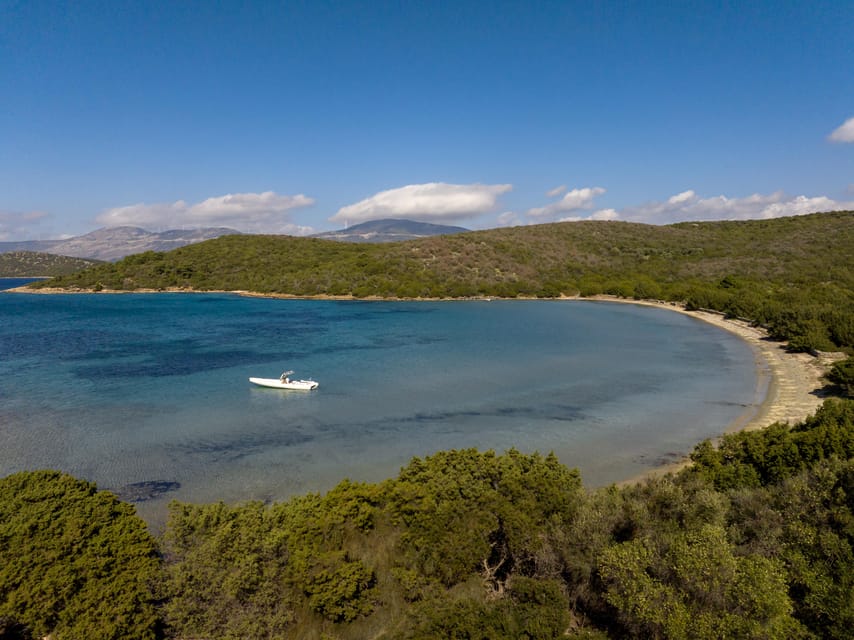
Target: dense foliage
[748, 459]
[792, 275]
[842, 375]
[74, 562]
[756, 540]
[32, 264]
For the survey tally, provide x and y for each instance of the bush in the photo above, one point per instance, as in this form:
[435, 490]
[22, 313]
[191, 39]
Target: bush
[75, 562]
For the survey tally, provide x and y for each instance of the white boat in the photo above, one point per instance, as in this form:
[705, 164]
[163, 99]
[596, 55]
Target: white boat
[284, 382]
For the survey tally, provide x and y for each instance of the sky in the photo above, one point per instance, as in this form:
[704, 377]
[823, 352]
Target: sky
[305, 116]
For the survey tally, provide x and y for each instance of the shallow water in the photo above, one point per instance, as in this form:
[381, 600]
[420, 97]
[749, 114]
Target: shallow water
[137, 388]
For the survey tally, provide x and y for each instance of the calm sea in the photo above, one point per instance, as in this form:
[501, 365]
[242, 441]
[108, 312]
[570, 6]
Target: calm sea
[147, 394]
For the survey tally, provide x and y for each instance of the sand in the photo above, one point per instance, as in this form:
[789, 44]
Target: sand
[793, 383]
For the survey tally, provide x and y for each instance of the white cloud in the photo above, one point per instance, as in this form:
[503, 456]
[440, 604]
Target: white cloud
[265, 212]
[431, 202]
[601, 214]
[554, 193]
[571, 201]
[20, 225]
[679, 198]
[508, 219]
[688, 206]
[844, 132]
[605, 214]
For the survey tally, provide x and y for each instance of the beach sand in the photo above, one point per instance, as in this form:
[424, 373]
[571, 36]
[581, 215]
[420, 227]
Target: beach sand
[793, 384]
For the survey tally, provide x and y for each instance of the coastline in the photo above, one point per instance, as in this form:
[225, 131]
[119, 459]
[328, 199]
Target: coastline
[789, 386]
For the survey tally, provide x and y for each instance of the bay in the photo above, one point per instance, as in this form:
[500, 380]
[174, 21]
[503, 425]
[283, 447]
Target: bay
[148, 394]
[11, 283]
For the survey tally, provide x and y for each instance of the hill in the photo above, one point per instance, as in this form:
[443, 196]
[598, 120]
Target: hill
[114, 243]
[389, 230]
[793, 275]
[25, 264]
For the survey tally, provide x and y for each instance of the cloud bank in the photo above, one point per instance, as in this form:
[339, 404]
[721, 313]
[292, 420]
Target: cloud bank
[601, 214]
[844, 132]
[15, 224]
[431, 202]
[269, 212]
[688, 206]
[681, 207]
[265, 212]
[571, 201]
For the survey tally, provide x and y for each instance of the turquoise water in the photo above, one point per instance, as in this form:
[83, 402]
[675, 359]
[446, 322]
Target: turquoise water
[152, 388]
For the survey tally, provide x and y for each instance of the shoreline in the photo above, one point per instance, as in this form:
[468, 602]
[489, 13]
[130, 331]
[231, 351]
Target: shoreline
[789, 386]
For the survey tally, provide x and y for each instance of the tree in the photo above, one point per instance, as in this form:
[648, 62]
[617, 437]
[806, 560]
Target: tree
[466, 512]
[75, 562]
[693, 585]
[842, 375]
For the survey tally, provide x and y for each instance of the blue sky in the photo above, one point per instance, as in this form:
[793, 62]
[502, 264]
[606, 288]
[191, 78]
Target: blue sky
[293, 117]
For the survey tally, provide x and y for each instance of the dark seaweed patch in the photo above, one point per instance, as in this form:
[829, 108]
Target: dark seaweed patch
[146, 490]
[175, 364]
[231, 449]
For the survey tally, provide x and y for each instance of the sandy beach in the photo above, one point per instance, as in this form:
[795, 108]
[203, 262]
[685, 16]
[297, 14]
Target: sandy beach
[792, 383]
[794, 380]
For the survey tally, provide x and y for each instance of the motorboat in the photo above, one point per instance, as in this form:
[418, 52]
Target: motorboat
[284, 382]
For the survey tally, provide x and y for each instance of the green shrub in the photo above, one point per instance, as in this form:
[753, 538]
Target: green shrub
[75, 562]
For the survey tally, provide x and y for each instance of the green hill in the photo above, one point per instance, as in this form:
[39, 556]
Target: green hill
[792, 275]
[27, 264]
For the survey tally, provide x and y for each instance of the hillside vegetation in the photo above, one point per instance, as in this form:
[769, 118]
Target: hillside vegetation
[754, 541]
[792, 275]
[31, 264]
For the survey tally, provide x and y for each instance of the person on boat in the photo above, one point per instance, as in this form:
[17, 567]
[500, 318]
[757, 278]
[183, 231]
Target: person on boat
[284, 378]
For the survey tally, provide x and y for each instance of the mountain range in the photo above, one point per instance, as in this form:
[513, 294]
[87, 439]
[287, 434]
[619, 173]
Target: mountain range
[114, 243]
[389, 230]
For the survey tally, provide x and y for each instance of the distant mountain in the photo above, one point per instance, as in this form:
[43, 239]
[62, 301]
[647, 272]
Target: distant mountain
[389, 230]
[114, 243]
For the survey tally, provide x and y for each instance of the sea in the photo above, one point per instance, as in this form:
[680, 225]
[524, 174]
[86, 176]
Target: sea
[148, 395]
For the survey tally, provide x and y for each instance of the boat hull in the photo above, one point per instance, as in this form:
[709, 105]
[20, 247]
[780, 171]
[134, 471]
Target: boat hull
[293, 385]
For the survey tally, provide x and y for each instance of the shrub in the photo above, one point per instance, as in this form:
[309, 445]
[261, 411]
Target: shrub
[75, 562]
